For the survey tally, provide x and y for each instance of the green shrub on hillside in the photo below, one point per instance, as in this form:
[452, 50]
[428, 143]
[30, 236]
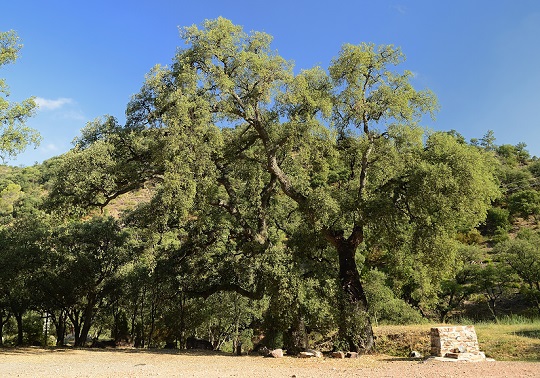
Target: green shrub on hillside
[497, 220]
[524, 203]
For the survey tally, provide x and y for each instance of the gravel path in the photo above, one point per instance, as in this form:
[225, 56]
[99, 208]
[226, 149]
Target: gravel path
[30, 362]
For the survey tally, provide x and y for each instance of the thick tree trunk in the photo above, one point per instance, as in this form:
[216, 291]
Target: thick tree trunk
[3, 321]
[443, 316]
[355, 327]
[77, 334]
[115, 333]
[74, 317]
[182, 329]
[355, 324]
[296, 337]
[152, 324]
[60, 326]
[18, 318]
[140, 343]
[87, 323]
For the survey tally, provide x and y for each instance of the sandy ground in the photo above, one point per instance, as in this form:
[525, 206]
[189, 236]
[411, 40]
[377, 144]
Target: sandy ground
[30, 362]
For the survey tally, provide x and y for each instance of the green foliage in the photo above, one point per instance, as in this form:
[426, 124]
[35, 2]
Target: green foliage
[495, 282]
[471, 237]
[224, 317]
[15, 136]
[8, 196]
[497, 220]
[82, 269]
[33, 329]
[488, 141]
[522, 255]
[292, 204]
[515, 179]
[384, 306]
[500, 235]
[460, 286]
[534, 168]
[513, 155]
[20, 253]
[524, 203]
[110, 162]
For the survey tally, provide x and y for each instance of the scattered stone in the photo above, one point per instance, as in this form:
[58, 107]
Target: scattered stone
[415, 354]
[276, 353]
[338, 354]
[315, 353]
[351, 355]
[306, 355]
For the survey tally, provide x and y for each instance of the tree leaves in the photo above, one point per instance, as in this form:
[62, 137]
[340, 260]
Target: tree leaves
[15, 136]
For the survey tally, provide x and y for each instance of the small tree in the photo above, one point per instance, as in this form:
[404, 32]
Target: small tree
[524, 203]
[495, 281]
[454, 291]
[15, 136]
[522, 255]
[497, 219]
[81, 269]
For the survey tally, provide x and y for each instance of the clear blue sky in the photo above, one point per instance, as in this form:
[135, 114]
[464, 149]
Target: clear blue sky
[85, 59]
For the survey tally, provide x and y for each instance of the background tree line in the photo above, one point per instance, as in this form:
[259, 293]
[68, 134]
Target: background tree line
[242, 199]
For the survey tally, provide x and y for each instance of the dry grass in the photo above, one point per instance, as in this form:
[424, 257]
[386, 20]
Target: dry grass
[510, 342]
[400, 340]
[504, 342]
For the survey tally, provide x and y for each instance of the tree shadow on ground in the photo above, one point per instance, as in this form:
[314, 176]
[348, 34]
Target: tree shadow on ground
[182, 352]
[534, 334]
[401, 359]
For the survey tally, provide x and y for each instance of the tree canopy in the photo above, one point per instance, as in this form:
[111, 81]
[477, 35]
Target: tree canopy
[292, 201]
[242, 150]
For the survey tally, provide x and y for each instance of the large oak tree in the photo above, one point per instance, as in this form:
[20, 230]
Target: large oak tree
[238, 145]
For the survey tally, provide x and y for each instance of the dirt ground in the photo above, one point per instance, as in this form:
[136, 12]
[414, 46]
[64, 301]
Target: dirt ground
[34, 362]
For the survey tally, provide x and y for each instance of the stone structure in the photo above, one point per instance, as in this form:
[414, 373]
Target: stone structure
[458, 342]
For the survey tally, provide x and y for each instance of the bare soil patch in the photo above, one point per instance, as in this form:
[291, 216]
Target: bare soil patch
[34, 362]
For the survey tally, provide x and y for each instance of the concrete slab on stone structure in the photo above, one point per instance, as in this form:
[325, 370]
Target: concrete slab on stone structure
[467, 356]
[448, 359]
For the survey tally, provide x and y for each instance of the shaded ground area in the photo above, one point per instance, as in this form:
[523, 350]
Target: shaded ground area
[30, 362]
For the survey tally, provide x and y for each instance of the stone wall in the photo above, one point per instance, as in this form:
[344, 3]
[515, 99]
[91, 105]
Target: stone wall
[454, 342]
